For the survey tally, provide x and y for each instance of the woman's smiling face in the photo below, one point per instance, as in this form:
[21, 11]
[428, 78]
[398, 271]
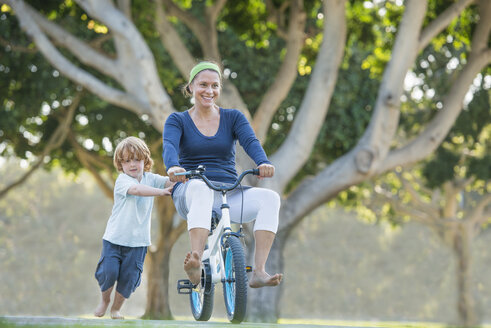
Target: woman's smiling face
[206, 88]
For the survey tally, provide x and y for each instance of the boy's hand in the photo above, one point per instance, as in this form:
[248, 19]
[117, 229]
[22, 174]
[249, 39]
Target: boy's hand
[167, 191]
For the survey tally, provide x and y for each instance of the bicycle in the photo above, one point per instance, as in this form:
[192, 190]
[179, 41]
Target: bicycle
[223, 260]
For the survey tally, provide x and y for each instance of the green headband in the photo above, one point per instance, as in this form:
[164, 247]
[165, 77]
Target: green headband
[201, 67]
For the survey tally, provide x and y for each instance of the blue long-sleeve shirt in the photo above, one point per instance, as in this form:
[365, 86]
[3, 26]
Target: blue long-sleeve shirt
[187, 147]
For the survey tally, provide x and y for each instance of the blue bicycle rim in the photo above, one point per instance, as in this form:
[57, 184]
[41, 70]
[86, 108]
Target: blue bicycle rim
[229, 283]
[197, 302]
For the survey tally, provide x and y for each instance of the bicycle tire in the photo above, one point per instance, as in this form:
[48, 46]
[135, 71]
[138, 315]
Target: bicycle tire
[235, 284]
[201, 299]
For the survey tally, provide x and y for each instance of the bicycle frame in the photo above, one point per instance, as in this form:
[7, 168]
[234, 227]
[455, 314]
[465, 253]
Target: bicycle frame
[214, 250]
[222, 261]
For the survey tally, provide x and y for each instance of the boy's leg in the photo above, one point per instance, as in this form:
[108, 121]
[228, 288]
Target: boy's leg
[129, 277]
[107, 273]
[105, 300]
[117, 304]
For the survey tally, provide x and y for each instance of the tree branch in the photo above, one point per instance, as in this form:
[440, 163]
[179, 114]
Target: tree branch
[429, 140]
[125, 7]
[55, 141]
[159, 103]
[277, 16]
[438, 128]
[174, 10]
[230, 97]
[67, 68]
[287, 73]
[86, 54]
[417, 214]
[481, 33]
[416, 199]
[215, 9]
[441, 22]
[172, 42]
[17, 48]
[86, 159]
[479, 214]
[295, 150]
[375, 143]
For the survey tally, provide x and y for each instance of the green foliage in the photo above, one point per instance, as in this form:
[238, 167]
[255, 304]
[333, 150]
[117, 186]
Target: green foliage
[465, 151]
[441, 169]
[34, 95]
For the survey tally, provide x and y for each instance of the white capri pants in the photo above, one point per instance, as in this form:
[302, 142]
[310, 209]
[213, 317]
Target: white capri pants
[194, 201]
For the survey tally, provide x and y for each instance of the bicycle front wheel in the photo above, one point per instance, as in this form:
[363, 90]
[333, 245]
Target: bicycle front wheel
[235, 284]
[201, 297]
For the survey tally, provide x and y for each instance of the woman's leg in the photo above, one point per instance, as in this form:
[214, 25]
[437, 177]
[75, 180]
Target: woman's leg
[260, 278]
[199, 202]
[263, 205]
[192, 261]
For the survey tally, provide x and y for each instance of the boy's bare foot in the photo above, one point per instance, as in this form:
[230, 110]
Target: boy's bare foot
[101, 309]
[192, 266]
[262, 279]
[116, 315]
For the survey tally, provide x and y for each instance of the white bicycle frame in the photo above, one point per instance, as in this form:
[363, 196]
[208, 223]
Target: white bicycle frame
[214, 250]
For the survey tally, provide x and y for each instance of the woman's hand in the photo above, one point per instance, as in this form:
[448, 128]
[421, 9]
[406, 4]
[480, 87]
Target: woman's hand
[266, 170]
[176, 178]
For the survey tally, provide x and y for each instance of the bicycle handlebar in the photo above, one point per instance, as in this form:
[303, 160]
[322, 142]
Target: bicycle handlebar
[201, 169]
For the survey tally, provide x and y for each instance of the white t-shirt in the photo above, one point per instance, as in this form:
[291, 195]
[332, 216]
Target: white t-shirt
[129, 223]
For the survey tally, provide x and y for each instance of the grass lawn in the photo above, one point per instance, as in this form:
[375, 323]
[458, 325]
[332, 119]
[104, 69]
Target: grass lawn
[85, 322]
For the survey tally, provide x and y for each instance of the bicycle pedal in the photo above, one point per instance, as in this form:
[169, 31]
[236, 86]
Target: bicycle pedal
[184, 286]
[248, 268]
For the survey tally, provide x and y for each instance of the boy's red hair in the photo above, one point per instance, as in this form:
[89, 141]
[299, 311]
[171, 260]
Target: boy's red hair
[129, 148]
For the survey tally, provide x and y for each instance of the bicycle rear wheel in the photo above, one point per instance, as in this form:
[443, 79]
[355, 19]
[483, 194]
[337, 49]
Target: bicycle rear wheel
[201, 297]
[235, 284]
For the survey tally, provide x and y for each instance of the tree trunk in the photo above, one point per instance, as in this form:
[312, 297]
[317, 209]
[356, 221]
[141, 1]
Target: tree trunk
[466, 302]
[263, 305]
[158, 306]
[158, 262]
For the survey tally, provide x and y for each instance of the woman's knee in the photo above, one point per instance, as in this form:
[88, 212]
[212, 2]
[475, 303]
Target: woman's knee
[198, 190]
[268, 215]
[271, 198]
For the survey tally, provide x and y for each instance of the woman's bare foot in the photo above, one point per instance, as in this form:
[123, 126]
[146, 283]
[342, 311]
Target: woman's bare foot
[116, 315]
[262, 279]
[192, 267]
[101, 309]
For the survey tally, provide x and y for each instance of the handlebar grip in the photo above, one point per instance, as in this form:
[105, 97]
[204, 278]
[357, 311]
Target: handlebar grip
[255, 171]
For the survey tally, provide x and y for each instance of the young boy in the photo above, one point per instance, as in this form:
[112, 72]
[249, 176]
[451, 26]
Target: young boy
[127, 235]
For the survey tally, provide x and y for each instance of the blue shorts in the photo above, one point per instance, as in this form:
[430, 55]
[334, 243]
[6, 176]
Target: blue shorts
[120, 264]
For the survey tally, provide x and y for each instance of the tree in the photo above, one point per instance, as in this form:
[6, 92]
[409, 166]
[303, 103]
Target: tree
[314, 39]
[448, 192]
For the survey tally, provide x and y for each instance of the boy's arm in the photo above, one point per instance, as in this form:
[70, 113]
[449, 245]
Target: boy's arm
[144, 190]
[162, 181]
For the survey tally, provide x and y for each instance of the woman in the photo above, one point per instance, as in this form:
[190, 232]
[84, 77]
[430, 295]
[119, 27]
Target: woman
[206, 135]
